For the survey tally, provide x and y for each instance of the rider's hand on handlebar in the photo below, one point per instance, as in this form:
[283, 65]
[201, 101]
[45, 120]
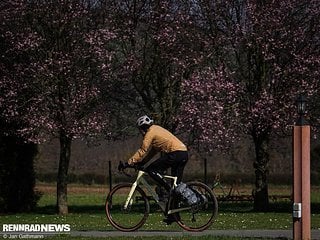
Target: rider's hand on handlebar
[122, 166]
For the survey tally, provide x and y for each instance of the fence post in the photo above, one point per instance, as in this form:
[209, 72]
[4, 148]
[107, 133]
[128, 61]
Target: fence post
[205, 171]
[110, 176]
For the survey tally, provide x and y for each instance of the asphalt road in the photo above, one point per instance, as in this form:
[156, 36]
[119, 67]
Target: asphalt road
[284, 234]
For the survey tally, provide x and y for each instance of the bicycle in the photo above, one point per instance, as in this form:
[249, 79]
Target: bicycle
[127, 205]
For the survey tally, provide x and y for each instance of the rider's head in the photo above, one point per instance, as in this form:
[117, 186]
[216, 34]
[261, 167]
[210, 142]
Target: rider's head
[143, 123]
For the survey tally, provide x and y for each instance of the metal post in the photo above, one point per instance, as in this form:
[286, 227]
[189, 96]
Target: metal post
[110, 176]
[301, 183]
[205, 171]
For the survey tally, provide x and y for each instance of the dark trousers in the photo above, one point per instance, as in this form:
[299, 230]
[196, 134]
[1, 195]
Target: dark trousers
[176, 160]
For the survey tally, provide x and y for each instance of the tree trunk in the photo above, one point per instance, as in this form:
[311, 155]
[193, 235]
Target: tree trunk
[261, 197]
[62, 181]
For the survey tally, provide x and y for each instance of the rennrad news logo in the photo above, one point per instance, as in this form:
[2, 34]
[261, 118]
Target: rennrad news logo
[35, 228]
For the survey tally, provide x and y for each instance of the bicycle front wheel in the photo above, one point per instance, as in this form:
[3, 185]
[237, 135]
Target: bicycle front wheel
[128, 218]
[200, 216]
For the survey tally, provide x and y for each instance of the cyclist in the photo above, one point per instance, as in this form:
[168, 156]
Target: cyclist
[174, 153]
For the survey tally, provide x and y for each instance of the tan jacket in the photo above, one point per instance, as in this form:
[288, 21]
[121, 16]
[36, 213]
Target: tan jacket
[157, 139]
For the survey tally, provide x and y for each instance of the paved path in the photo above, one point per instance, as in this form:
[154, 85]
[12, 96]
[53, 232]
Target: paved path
[287, 234]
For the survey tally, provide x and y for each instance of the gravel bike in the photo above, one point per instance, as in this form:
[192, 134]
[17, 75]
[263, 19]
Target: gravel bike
[127, 204]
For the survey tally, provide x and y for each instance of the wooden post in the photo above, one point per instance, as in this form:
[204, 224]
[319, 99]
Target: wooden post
[301, 183]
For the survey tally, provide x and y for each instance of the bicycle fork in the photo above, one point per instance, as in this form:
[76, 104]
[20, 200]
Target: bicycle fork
[129, 199]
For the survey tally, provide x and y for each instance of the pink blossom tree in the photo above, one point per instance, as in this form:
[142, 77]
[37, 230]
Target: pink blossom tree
[60, 73]
[281, 56]
[209, 111]
[272, 50]
[158, 42]
[223, 68]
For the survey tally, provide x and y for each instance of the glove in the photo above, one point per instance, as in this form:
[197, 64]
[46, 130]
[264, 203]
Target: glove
[122, 166]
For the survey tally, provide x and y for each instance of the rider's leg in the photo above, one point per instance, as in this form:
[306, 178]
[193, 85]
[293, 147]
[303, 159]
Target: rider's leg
[180, 161]
[175, 160]
[157, 166]
[159, 179]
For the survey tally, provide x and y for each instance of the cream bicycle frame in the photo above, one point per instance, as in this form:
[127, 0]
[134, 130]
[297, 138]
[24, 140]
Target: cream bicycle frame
[140, 180]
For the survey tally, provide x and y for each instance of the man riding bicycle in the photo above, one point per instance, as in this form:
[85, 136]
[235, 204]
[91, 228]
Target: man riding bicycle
[157, 139]
[174, 153]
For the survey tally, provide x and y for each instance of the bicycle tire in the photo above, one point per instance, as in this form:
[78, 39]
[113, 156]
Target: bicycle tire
[201, 216]
[134, 216]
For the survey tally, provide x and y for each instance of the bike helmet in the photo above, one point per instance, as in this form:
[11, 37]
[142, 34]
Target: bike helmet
[144, 120]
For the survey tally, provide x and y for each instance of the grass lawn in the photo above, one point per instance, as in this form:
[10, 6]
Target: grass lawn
[86, 207]
[158, 238]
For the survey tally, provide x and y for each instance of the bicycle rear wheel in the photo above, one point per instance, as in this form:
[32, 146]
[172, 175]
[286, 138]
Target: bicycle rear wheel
[134, 216]
[200, 216]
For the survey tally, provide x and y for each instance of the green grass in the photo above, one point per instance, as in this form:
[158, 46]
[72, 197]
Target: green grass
[157, 238]
[87, 213]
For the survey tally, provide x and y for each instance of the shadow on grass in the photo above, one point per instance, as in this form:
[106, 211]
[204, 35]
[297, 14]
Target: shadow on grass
[224, 207]
[280, 207]
[287, 207]
[83, 209]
